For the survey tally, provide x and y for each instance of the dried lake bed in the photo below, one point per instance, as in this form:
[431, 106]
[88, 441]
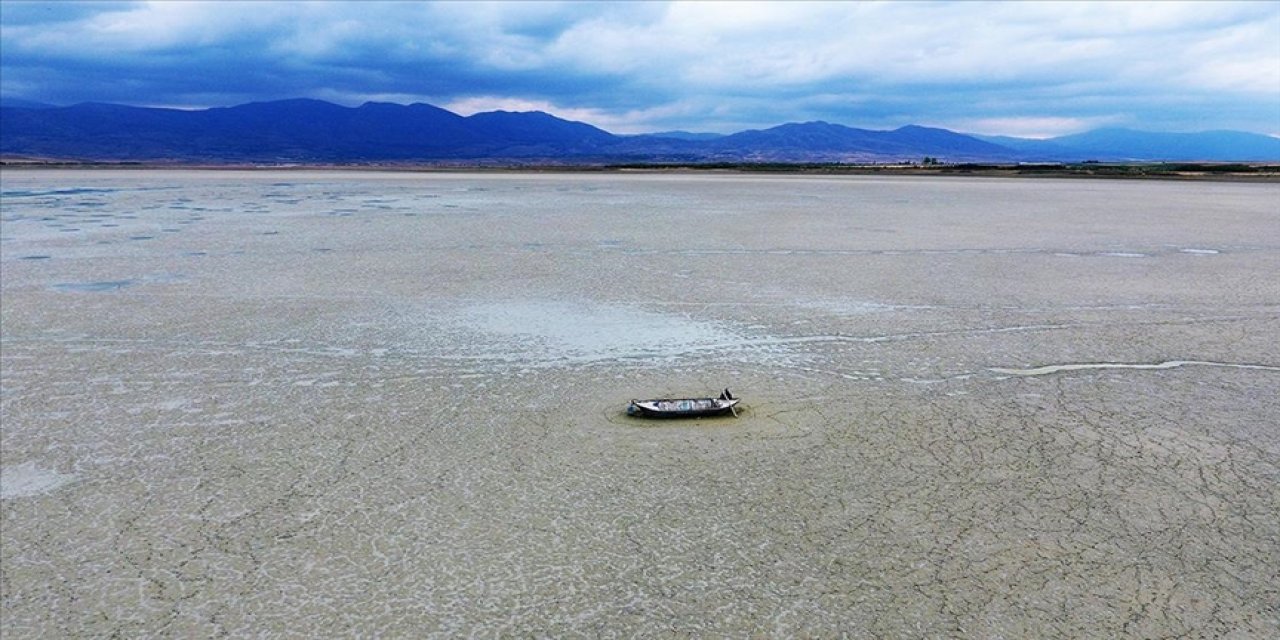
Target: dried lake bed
[324, 403]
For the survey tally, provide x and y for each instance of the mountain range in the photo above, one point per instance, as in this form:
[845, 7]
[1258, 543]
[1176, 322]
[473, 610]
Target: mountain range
[313, 131]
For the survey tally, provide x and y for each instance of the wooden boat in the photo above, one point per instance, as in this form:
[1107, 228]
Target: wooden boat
[684, 407]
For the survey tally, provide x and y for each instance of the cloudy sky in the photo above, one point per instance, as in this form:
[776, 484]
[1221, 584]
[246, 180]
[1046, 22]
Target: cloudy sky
[1019, 68]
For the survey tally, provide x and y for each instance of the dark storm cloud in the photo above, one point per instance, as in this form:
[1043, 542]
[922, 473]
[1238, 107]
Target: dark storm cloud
[1021, 68]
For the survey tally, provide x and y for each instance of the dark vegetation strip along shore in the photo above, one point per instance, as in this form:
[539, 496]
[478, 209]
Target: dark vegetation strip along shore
[1182, 170]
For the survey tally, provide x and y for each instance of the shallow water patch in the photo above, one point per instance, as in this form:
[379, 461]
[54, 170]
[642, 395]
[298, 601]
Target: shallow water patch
[29, 479]
[93, 287]
[23, 193]
[586, 331]
[1169, 364]
[851, 307]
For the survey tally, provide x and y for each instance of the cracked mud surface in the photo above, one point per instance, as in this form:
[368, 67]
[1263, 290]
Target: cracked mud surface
[295, 403]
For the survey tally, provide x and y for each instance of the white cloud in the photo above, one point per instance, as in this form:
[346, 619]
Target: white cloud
[150, 26]
[731, 44]
[623, 122]
[1241, 58]
[1030, 127]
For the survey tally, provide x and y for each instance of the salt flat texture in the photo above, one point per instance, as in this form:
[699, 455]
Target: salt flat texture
[317, 403]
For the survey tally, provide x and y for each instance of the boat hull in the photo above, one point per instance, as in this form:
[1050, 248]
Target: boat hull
[681, 407]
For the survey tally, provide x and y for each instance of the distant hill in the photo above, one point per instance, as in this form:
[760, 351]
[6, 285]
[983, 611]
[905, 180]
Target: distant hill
[1145, 145]
[313, 131]
[823, 141]
[1132, 145]
[1036, 148]
[538, 133]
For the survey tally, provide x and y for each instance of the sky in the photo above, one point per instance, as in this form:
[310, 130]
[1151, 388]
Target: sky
[1029, 69]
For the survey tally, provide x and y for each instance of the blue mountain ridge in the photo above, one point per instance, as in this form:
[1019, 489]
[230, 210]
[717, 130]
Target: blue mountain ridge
[313, 131]
[1117, 144]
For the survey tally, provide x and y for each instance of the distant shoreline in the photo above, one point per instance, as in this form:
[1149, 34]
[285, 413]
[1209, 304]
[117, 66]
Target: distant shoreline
[1217, 172]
